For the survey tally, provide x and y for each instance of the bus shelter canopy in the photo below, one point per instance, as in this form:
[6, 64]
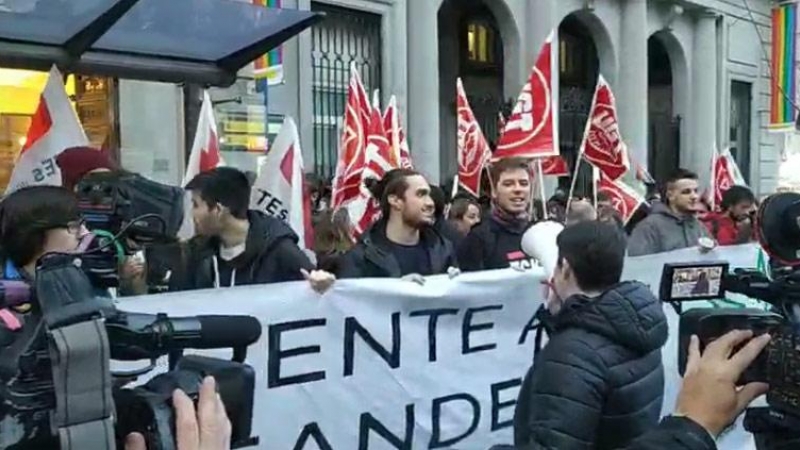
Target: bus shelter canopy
[178, 41]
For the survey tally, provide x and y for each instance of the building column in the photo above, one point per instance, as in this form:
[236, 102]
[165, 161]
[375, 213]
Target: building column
[632, 84]
[541, 21]
[704, 97]
[423, 87]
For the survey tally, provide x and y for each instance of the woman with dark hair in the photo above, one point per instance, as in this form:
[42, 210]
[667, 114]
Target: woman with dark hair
[333, 237]
[38, 220]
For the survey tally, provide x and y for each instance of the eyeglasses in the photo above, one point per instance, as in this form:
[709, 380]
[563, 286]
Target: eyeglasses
[76, 226]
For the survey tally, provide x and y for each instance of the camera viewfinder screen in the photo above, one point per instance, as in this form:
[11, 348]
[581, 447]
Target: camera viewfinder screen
[696, 282]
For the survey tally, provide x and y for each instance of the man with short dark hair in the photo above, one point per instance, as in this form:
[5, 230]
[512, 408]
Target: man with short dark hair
[236, 246]
[404, 242]
[733, 224]
[673, 223]
[598, 383]
[496, 243]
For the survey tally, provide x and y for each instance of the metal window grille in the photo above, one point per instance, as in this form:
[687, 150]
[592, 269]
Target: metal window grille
[344, 37]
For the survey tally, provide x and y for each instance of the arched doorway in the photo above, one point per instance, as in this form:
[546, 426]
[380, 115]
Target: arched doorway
[579, 66]
[470, 47]
[664, 125]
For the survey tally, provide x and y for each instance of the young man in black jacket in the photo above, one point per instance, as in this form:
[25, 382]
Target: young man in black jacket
[236, 246]
[599, 381]
[495, 243]
[404, 241]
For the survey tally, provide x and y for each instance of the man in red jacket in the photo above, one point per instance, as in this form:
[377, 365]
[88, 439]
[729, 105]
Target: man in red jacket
[733, 225]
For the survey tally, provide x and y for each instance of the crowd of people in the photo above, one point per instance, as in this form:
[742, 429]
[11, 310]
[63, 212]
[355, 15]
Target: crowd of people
[597, 383]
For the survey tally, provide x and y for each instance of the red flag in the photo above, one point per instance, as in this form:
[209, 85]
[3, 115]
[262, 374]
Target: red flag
[602, 143]
[394, 132]
[473, 150]
[623, 198]
[531, 132]
[352, 148]
[555, 166]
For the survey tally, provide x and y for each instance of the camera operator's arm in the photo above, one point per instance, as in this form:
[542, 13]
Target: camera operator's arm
[709, 400]
[206, 429]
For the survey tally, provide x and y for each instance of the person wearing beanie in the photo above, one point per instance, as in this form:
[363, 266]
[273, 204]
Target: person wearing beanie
[77, 162]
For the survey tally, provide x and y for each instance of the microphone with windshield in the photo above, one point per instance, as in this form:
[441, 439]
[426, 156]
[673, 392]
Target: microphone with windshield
[136, 336]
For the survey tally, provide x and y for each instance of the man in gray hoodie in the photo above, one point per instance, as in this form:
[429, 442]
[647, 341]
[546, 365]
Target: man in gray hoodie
[673, 223]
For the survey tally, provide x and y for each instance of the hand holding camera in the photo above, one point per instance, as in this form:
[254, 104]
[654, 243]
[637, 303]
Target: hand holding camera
[710, 395]
[207, 428]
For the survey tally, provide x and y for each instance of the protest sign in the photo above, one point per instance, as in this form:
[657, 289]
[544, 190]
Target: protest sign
[389, 364]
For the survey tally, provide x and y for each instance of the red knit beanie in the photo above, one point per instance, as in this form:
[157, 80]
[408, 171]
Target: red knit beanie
[76, 162]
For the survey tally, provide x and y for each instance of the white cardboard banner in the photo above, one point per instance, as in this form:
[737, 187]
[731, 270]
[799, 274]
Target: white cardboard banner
[388, 364]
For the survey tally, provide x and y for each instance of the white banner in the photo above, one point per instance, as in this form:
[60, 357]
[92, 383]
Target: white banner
[393, 365]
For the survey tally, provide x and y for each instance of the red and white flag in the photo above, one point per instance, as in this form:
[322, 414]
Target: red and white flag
[725, 174]
[473, 150]
[555, 166]
[623, 198]
[205, 155]
[54, 127]
[602, 144]
[279, 189]
[352, 147]
[394, 132]
[532, 129]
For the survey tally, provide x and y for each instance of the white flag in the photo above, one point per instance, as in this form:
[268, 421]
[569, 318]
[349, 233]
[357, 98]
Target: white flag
[54, 128]
[278, 190]
[205, 156]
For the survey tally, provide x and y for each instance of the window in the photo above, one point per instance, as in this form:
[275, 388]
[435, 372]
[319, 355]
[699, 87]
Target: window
[94, 100]
[345, 36]
[481, 44]
[740, 123]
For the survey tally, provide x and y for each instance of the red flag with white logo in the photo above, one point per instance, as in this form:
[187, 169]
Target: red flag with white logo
[397, 137]
[725, 174]
[352, 147]
[532, 129]
[555, 166]
[54, 127]
[623, 198]
[473, 150]
[279, 189]
[602, 142]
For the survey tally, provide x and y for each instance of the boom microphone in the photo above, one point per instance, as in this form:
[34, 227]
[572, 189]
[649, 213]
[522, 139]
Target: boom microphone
[135, 336]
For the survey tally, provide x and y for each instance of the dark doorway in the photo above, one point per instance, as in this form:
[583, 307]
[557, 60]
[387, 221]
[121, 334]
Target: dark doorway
[578, 70]
[470, 47]
[663, 155]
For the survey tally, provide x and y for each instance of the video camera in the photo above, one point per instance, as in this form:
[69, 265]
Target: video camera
[56, 386]
[778, 232]
[130, 213]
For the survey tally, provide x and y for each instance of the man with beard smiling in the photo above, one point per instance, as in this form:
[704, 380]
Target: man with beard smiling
[673, 224]
[403, 242]
[495, 243]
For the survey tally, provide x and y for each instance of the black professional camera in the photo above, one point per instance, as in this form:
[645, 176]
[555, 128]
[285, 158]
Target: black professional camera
[778, 231]
[49, 379]
[129, 214]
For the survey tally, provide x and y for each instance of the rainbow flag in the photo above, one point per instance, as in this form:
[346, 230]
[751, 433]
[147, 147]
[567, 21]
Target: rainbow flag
[784, 53]
[269, 68]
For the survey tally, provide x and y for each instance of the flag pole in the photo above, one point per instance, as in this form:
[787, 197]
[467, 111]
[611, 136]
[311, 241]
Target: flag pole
[595, 179]
[454, 189]
[578, 161]
[540, 176]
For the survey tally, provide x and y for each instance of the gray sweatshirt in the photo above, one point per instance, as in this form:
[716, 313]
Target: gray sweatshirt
[664, 231]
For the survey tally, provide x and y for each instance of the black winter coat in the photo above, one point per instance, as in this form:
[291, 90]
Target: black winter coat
[492, 245]
[372, 258]
[599, 381]
[271, 255]
[675, 433]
